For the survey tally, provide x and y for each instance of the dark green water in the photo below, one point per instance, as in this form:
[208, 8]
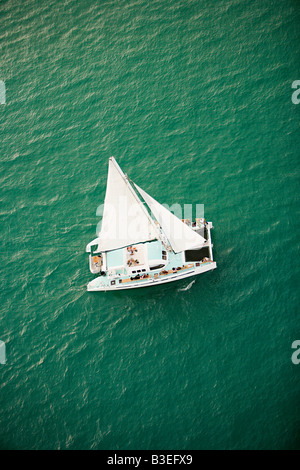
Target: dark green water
[193, 98]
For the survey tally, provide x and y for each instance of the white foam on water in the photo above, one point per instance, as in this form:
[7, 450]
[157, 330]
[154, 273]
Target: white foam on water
[188, 286]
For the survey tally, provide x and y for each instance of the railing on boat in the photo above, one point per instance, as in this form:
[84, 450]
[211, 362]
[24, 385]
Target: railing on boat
[164, 273]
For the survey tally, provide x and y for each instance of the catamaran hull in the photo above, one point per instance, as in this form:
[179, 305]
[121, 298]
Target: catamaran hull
[94, 287]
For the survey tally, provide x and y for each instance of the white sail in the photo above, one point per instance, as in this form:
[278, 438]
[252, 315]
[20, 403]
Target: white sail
[125, 220]
[180, 236]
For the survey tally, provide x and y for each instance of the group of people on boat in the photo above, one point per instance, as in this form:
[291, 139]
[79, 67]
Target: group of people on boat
[174, 270]
[133, 262]
[131, 250]
[138, 276]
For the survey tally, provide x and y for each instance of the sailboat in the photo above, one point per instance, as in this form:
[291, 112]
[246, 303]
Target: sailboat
[143, 244]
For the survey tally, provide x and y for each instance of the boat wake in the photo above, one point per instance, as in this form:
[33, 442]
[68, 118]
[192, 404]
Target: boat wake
[188, 286]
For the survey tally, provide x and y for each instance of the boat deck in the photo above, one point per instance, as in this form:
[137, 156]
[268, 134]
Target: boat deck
[156, 275]
[129, 267]
[135, 255]
[104, 284]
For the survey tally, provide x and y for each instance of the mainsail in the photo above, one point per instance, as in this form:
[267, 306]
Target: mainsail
[125, 220]
[180, 236]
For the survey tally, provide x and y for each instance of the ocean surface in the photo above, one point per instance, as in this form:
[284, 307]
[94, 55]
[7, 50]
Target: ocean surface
[194, 100]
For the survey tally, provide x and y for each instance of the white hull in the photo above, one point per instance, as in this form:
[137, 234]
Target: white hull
[91, 287]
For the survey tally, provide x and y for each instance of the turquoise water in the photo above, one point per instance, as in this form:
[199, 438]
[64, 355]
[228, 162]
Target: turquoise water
[193, 98]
